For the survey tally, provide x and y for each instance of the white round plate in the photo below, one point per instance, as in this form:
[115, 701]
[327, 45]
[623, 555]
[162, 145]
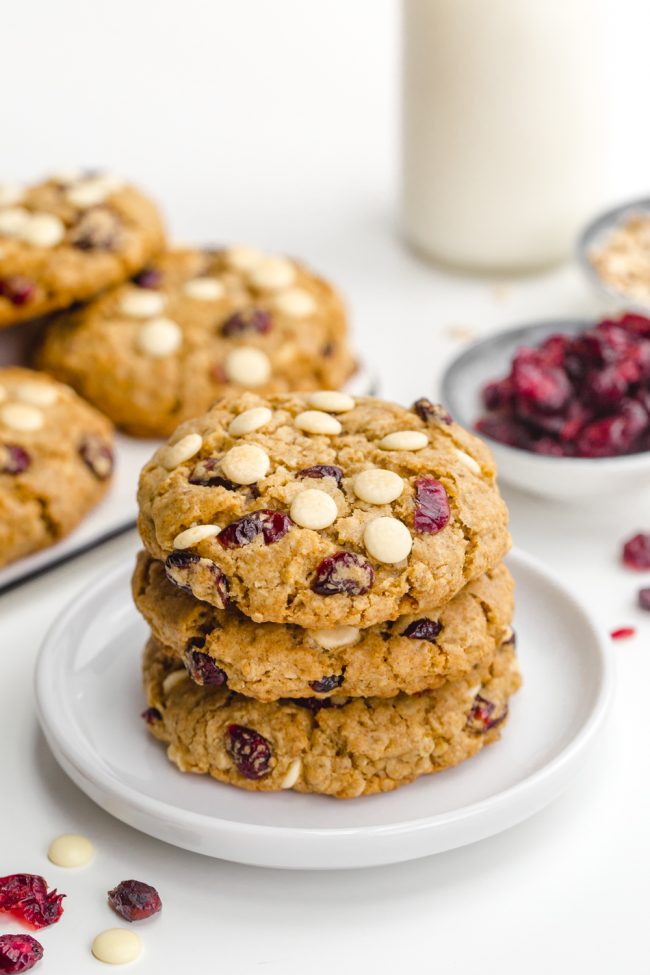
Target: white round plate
[89, 703]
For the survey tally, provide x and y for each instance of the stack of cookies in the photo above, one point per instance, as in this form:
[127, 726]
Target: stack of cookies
[324, 584]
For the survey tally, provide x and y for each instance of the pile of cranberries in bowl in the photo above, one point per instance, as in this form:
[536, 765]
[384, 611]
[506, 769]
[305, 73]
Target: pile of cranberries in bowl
[584, 395]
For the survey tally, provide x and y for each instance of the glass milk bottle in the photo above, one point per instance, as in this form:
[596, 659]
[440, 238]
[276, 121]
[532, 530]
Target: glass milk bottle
[503, 132]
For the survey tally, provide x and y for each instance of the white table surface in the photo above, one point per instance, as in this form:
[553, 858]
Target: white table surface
[284, 135]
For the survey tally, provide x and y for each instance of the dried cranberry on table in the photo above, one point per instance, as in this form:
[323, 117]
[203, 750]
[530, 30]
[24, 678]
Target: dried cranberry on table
[623, 633]
[644, 598]
[134, 900]
[584, 395]
[19, 953]
[26, 897]
[636, 552]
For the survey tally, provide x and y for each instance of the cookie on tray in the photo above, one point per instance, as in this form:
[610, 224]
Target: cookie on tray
[56, 461]
[268, 661]
[323, 510]
[195, 326]
[344, 748]
[67, 238]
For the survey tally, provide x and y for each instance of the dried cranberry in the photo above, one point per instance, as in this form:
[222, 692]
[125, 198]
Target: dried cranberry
[202, 668]
[272, 525]
[636, 552]
[431, 506]
[17, 289]
[481, 718]
[644, 598]
[188, 571]
[25, 895]
[498, 395]
[501, 429]
[547, 387]
[322, 470]
[343, 572]
[249, 750]
[204, 475]
[98, 229]
[150, 277]
[97, 455]
[19, 952]
[431, 412]
[423, 629]
[247, 320]
[134, 900]
[635, 323]
[151, 715]
[623, 633]
[13, 459]
[327, 684]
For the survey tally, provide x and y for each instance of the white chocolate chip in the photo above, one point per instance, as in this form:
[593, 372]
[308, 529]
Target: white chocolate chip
[249, 421]
[404, 440]
[314, 509]
[13, 221]
[21, 416]
[377, 486]
[117, 946]
[338, 636]
[245, 464]
[387, 540]
[331, 401]
[192, 536]
[468, 461]
[10, 193]
[37, 394]
[142, 303]
[89, 192]
[204, 289]
[243, 258]
[314, 421]
[296, 302]
[159, 337]
[43, 230]
[175, 454]
[70, 850]
[247, 366]
[172, 680]
[272, 274]
[293, 774]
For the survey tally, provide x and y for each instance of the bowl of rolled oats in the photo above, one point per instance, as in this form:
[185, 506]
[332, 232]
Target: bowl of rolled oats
[614, 252]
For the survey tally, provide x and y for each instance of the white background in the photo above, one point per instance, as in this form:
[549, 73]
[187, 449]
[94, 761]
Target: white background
[276, 123]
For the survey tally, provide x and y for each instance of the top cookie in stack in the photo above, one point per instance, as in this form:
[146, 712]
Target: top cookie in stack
[67, 238]
[322, 510]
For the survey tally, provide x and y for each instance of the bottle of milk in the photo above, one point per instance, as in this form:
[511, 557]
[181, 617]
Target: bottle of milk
[503, 129]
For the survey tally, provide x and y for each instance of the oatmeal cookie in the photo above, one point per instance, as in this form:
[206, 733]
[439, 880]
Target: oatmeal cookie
[323, 510]
[65, 239]
[339, 748]
[268, 661]
[196, 325]
[56, 461]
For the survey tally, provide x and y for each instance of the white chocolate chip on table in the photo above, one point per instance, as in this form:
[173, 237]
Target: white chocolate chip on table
[388, 540]
[245, 464]
[313, 509]
[71, 850]
[117, 946]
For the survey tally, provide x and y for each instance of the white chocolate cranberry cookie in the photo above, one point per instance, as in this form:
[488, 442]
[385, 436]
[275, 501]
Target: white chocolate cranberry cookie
[269, 661]
[67, 238]
[195, 326]
[56, 461]
[339, 748]
[323, 510]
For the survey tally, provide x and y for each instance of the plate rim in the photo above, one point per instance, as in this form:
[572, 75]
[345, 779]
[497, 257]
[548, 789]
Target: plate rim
[102, 778]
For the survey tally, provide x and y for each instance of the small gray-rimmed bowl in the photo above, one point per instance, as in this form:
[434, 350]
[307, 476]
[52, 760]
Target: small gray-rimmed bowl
[594, 236]
[560, 478]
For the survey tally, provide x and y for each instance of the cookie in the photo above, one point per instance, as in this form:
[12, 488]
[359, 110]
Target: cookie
[195, 326]
[56, 461]
[67, 238]
[268, 661]
[347, 749]
[322, 510]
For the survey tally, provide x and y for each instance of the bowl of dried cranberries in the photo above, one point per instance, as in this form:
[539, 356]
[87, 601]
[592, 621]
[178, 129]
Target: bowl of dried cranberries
[564, 405]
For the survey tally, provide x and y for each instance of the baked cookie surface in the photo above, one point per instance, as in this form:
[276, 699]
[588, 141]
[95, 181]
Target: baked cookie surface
[65, 239]
[195, 326]
[359, 747]
[323, 510]
[56, 461]
[268, 661]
